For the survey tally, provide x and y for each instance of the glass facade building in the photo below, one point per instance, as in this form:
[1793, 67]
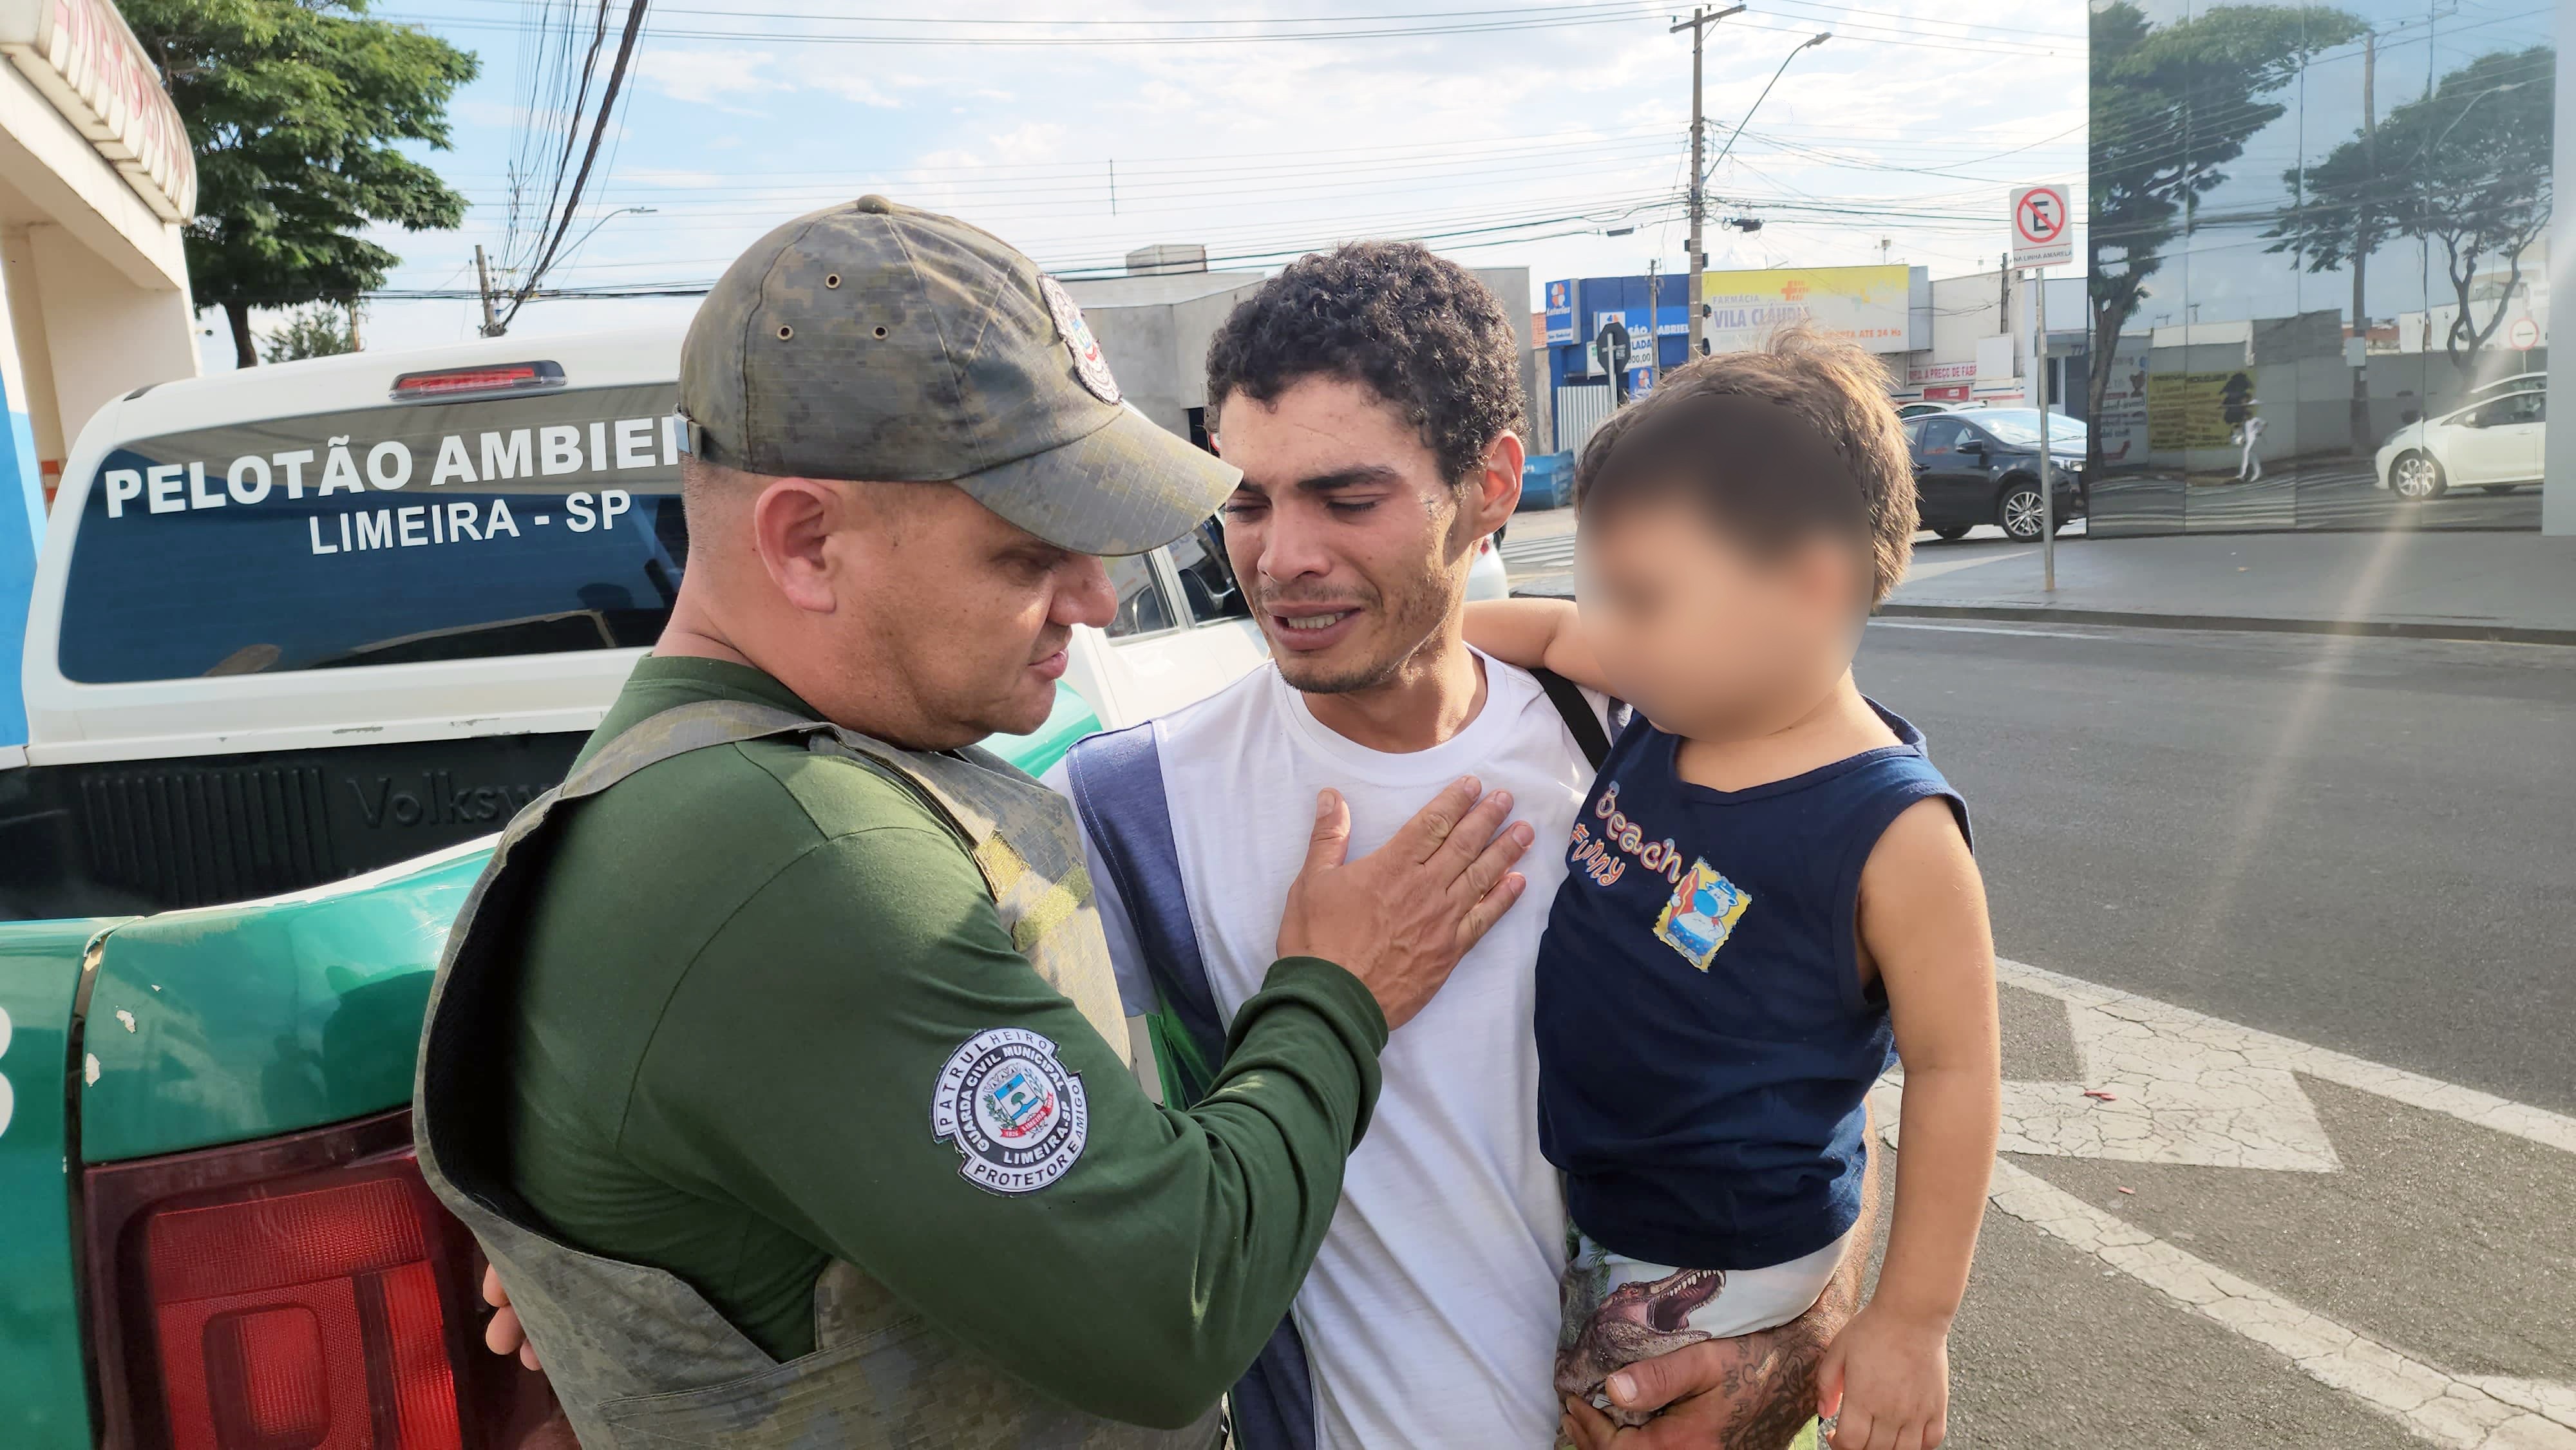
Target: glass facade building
[2320, 270]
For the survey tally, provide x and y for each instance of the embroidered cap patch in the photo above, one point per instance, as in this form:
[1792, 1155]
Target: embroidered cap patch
[1017, 1118]
[1088, 364]
[1701, 914]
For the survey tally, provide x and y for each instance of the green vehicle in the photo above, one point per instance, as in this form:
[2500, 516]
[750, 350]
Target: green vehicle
[302, 639]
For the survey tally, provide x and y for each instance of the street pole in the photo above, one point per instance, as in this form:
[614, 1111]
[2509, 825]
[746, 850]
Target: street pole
[2362, 241]
[1654, 322]
[483, 279]
[2047, 492]
[1698, 25]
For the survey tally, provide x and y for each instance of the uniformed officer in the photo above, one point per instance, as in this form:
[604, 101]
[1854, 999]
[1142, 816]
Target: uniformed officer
[776, 1061]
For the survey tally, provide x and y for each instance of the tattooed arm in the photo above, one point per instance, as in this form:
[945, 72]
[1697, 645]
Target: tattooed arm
[1751, 1393]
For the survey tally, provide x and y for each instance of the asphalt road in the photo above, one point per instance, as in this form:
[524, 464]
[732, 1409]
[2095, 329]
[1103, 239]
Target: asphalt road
[2361, 843]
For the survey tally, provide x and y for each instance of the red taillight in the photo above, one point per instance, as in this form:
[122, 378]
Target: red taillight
[301, 1293]
[493, 378]
[290, 1319]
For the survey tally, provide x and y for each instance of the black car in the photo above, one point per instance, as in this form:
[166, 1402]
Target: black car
[1982, 467]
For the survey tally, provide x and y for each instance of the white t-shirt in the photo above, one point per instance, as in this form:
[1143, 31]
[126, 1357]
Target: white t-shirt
[1430, 1317]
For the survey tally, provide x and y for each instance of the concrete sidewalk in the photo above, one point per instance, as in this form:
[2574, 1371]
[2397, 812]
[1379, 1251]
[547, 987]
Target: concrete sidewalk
[2434, 585]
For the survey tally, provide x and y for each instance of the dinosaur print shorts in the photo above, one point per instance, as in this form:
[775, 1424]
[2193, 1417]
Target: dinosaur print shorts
[1619, 1310]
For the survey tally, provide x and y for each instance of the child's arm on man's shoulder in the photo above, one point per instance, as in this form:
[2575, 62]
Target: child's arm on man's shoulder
[1535, 634]
[1923, 924]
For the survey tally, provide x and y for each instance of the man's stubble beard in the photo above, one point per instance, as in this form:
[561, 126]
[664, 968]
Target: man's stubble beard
[1414, 617]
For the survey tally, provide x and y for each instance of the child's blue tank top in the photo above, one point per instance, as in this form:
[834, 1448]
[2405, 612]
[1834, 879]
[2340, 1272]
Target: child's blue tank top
[1704, 1041]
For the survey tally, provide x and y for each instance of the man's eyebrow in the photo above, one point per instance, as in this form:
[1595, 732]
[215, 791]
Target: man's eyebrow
[1366, 475]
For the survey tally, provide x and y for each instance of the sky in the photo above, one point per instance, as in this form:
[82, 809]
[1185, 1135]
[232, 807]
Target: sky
[1503, 136]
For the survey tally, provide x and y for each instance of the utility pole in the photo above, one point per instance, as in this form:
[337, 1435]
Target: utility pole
[1698, 26]
[483, 279]
[1654, 322]
[2362, 241]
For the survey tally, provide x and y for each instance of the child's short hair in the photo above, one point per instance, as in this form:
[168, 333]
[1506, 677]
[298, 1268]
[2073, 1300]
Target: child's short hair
[1795, 438]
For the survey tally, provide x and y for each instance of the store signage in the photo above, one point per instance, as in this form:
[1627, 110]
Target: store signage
[1867, 305]
[89, 67]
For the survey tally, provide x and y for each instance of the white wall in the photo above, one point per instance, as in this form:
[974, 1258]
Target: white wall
[106, 335]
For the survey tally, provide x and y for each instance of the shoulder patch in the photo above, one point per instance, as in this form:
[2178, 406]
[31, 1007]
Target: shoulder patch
[1017, 1118]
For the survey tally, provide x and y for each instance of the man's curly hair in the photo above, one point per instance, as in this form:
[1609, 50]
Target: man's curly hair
[1416, 329]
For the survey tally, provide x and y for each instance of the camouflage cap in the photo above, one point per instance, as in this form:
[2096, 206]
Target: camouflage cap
[876, 341]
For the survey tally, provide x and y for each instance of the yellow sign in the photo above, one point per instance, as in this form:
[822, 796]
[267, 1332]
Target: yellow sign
[1869, 305]
[2191, 410]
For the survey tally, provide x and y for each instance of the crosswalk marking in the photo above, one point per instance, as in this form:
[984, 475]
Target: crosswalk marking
[1540, 555]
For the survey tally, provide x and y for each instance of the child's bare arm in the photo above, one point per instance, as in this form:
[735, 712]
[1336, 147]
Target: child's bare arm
[1535, 634]
[1923, 923]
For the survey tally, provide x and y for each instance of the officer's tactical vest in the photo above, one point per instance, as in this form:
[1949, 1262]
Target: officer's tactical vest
[637, 1358]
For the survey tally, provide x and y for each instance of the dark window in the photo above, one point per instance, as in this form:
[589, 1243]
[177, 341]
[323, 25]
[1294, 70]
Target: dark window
[474, 529]
[1143, 608]
[2517, 408]
[1207, 580]
[1942, 436]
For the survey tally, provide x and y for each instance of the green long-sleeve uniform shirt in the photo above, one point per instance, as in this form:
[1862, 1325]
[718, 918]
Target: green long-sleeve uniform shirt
[741, 977]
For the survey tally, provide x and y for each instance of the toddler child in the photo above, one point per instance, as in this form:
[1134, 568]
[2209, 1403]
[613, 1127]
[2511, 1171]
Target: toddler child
[1768, 884]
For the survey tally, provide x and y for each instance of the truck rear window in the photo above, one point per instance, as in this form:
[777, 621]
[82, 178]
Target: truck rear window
[393, 535]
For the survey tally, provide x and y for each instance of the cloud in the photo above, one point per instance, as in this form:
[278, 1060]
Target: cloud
[707, 76]
[848, 87]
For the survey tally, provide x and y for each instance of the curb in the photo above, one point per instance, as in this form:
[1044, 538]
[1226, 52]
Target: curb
[2369, 628]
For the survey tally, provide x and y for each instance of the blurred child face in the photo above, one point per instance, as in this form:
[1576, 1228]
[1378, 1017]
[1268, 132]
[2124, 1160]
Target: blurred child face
[1706, 635]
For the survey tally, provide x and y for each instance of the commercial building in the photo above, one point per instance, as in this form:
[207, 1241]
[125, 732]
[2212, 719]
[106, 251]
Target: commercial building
[2356, 331]
[1154, 324]
[1962, 339]
[96, 181]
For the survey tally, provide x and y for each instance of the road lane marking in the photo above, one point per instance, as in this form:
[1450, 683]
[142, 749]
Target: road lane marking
[2223, 1041]
[2483, 1413]
[2212, 1092]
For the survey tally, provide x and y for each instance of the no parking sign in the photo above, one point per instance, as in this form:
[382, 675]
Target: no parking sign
[2041, 223]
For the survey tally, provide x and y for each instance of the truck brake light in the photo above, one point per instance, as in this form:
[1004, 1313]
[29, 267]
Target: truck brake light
[519, 377]
[300, 1293]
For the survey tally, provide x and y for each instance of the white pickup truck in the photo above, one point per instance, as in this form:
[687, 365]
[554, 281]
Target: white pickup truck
[302, 637]
[300, 621]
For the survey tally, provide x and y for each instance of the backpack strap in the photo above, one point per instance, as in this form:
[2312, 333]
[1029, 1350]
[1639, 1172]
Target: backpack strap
[1576, 711]
[1117, 781]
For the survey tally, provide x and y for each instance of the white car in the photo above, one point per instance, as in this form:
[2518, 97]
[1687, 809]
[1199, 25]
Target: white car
[1486, 578]
[2493, 444]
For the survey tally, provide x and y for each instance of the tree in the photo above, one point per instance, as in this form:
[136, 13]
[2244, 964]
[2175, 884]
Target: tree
[321, 331]
[2467, 166]
[2171, 106]
[292, 107]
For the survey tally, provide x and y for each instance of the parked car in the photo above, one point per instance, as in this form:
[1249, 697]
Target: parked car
[2493, 444]
[1983, 468]
[302, 638]
[1486, 576]
[1926, 407]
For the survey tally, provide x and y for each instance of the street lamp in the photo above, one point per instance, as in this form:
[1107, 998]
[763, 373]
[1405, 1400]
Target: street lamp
[605, 220]
[1819, 38]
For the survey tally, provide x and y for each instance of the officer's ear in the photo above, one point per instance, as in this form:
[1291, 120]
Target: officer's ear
[793, 523]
